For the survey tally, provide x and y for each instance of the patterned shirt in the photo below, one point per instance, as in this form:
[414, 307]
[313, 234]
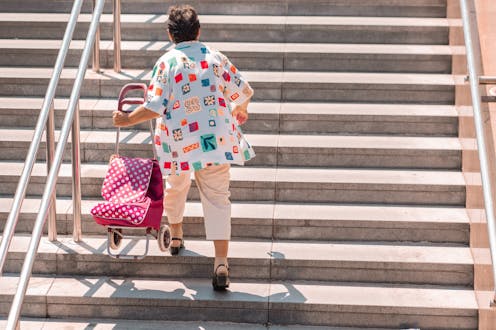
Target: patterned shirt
[191, 89]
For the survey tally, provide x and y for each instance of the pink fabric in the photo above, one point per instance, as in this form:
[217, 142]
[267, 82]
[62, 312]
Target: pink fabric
[130, 187]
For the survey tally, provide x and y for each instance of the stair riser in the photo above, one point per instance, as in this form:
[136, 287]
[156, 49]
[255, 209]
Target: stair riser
[253, 312]
[400, 319]
[247, 33]
[285, 229]
[284, 192]
[387, 232]
[273, 156]
[272, 123]
[248, 269]
[257, 7]
[340, 124]
[261, 61]
[264, 91]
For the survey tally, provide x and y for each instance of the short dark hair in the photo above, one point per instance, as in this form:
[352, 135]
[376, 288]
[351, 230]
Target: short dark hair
[183, 23]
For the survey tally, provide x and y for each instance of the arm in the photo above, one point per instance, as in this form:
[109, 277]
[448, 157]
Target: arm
[141, 114]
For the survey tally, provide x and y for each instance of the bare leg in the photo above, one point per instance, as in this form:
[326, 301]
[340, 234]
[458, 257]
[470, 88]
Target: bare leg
[221, 249]
[176, 231]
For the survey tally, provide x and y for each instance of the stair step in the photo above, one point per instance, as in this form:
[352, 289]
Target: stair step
[283, 221]
[313, 118]
[279, 260]
[333, 29]
[407, 8]
[78, 324]
[285, 184]
[269, 86]
[250, 56]
[311, 303]
[276, 150]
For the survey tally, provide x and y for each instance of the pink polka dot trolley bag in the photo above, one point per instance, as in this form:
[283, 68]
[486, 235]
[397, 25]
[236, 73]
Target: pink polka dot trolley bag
[133, 192]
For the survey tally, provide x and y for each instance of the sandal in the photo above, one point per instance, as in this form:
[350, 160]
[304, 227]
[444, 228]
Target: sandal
[220, 282]
[174, 250]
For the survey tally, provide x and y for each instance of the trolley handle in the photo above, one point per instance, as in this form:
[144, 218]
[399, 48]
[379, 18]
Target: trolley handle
[131, 100]
[123, 100]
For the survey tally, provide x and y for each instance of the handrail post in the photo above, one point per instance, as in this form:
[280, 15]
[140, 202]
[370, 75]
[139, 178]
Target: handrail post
[479, 130]
[76, 177]
[117, 35]
[50, 150]
[96, 46]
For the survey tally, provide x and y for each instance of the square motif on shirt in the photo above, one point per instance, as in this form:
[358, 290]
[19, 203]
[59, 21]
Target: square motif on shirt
[193, 127]
[172, 62]
[186, 88]
[174, 154]
[213, 88]
[226, 76]
[235, 96]
[185, 166]
[216, 70]
[205, 82]
[222, 102]
[178, 77]
[197, 166]
[237, 81]
[177, 134]
[192, 105]
[204, 64]
[192, 77]
[211, 123]
[209, 100]
[229, 156]
[208, 142]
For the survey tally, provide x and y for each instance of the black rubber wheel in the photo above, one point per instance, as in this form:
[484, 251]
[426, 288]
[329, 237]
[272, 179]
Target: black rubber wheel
[114, 238]
[164, 238]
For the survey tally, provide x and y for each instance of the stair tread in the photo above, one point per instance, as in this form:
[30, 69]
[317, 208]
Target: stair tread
[245, 19]
[249, 47]
[127, 75]
[319, 253]
[321, 296]
[312, 176]
[134, 137]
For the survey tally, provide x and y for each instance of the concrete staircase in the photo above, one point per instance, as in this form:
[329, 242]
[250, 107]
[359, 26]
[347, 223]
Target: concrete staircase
[352, 215]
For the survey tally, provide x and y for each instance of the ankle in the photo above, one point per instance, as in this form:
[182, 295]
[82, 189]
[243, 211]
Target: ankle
[221, 265]
[176, 230]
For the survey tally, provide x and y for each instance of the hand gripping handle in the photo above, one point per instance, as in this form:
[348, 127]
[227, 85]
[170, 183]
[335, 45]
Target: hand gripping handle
[123, 100]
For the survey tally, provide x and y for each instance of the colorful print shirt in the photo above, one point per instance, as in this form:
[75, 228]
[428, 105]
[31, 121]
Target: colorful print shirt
[191, 89]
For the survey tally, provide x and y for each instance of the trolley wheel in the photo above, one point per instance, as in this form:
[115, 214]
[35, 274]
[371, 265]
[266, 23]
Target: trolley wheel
[114, 237]
[164, 238]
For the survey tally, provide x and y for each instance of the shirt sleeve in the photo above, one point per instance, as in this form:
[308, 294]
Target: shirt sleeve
[158, 90]
[237, 88]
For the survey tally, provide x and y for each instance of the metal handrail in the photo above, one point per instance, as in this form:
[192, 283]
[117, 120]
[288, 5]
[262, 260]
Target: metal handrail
[473, 72]
[52, 177]
[46, 111]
